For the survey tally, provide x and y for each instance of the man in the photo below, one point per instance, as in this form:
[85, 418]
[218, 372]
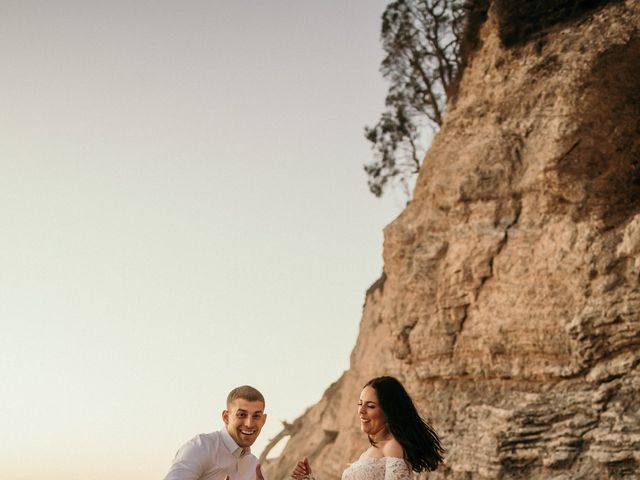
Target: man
[225, 454]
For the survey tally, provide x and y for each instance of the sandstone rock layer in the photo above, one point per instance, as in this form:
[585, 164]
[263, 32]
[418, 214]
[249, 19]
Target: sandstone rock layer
[510, 299]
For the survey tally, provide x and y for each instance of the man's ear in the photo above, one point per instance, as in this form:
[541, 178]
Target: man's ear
[225, 417]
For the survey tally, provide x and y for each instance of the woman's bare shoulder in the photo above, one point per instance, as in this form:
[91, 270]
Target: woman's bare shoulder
[393, 449]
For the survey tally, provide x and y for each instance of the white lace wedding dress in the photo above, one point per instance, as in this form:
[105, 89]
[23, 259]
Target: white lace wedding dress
[384, 468]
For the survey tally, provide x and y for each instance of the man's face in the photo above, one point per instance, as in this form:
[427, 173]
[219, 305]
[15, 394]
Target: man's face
[244, 420]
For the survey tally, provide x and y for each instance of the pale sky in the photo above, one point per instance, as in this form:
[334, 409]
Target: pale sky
[183, 210]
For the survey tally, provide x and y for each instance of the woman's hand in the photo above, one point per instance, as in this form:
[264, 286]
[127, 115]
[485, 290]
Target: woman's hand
[301, 469]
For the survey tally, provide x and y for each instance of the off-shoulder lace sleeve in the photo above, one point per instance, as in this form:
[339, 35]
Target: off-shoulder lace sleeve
[397, 469]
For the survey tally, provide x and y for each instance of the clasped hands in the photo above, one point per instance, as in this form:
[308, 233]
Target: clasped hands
[302, 470]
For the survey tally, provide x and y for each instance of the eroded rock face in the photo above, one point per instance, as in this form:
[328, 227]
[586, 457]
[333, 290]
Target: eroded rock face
[510, 300]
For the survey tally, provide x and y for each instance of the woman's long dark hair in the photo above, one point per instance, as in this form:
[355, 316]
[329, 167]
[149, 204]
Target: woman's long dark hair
[420, 442]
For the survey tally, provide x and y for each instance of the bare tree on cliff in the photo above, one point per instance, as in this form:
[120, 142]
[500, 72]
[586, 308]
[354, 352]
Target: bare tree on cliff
[421, 40]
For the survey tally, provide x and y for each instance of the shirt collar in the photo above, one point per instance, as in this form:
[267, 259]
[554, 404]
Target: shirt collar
[232, 446]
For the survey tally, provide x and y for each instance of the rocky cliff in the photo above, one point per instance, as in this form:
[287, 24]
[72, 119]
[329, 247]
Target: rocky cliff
[510, 299]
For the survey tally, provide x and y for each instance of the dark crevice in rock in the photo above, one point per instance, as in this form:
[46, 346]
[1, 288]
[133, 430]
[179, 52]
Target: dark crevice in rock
[503, 242]
[456, 334]
[402, 347]
[522, 20]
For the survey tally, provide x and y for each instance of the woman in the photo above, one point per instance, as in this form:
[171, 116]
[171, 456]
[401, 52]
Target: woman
[400, 440]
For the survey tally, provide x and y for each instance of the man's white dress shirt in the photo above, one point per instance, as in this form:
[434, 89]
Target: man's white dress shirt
[212, 456]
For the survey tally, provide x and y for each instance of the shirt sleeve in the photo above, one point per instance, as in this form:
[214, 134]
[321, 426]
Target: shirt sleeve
[190, 461]
[397, 469]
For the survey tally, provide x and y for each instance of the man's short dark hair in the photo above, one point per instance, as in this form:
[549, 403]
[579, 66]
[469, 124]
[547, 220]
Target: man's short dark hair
[245, 392]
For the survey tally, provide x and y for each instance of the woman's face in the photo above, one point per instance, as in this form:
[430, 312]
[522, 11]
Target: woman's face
[372, 420]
